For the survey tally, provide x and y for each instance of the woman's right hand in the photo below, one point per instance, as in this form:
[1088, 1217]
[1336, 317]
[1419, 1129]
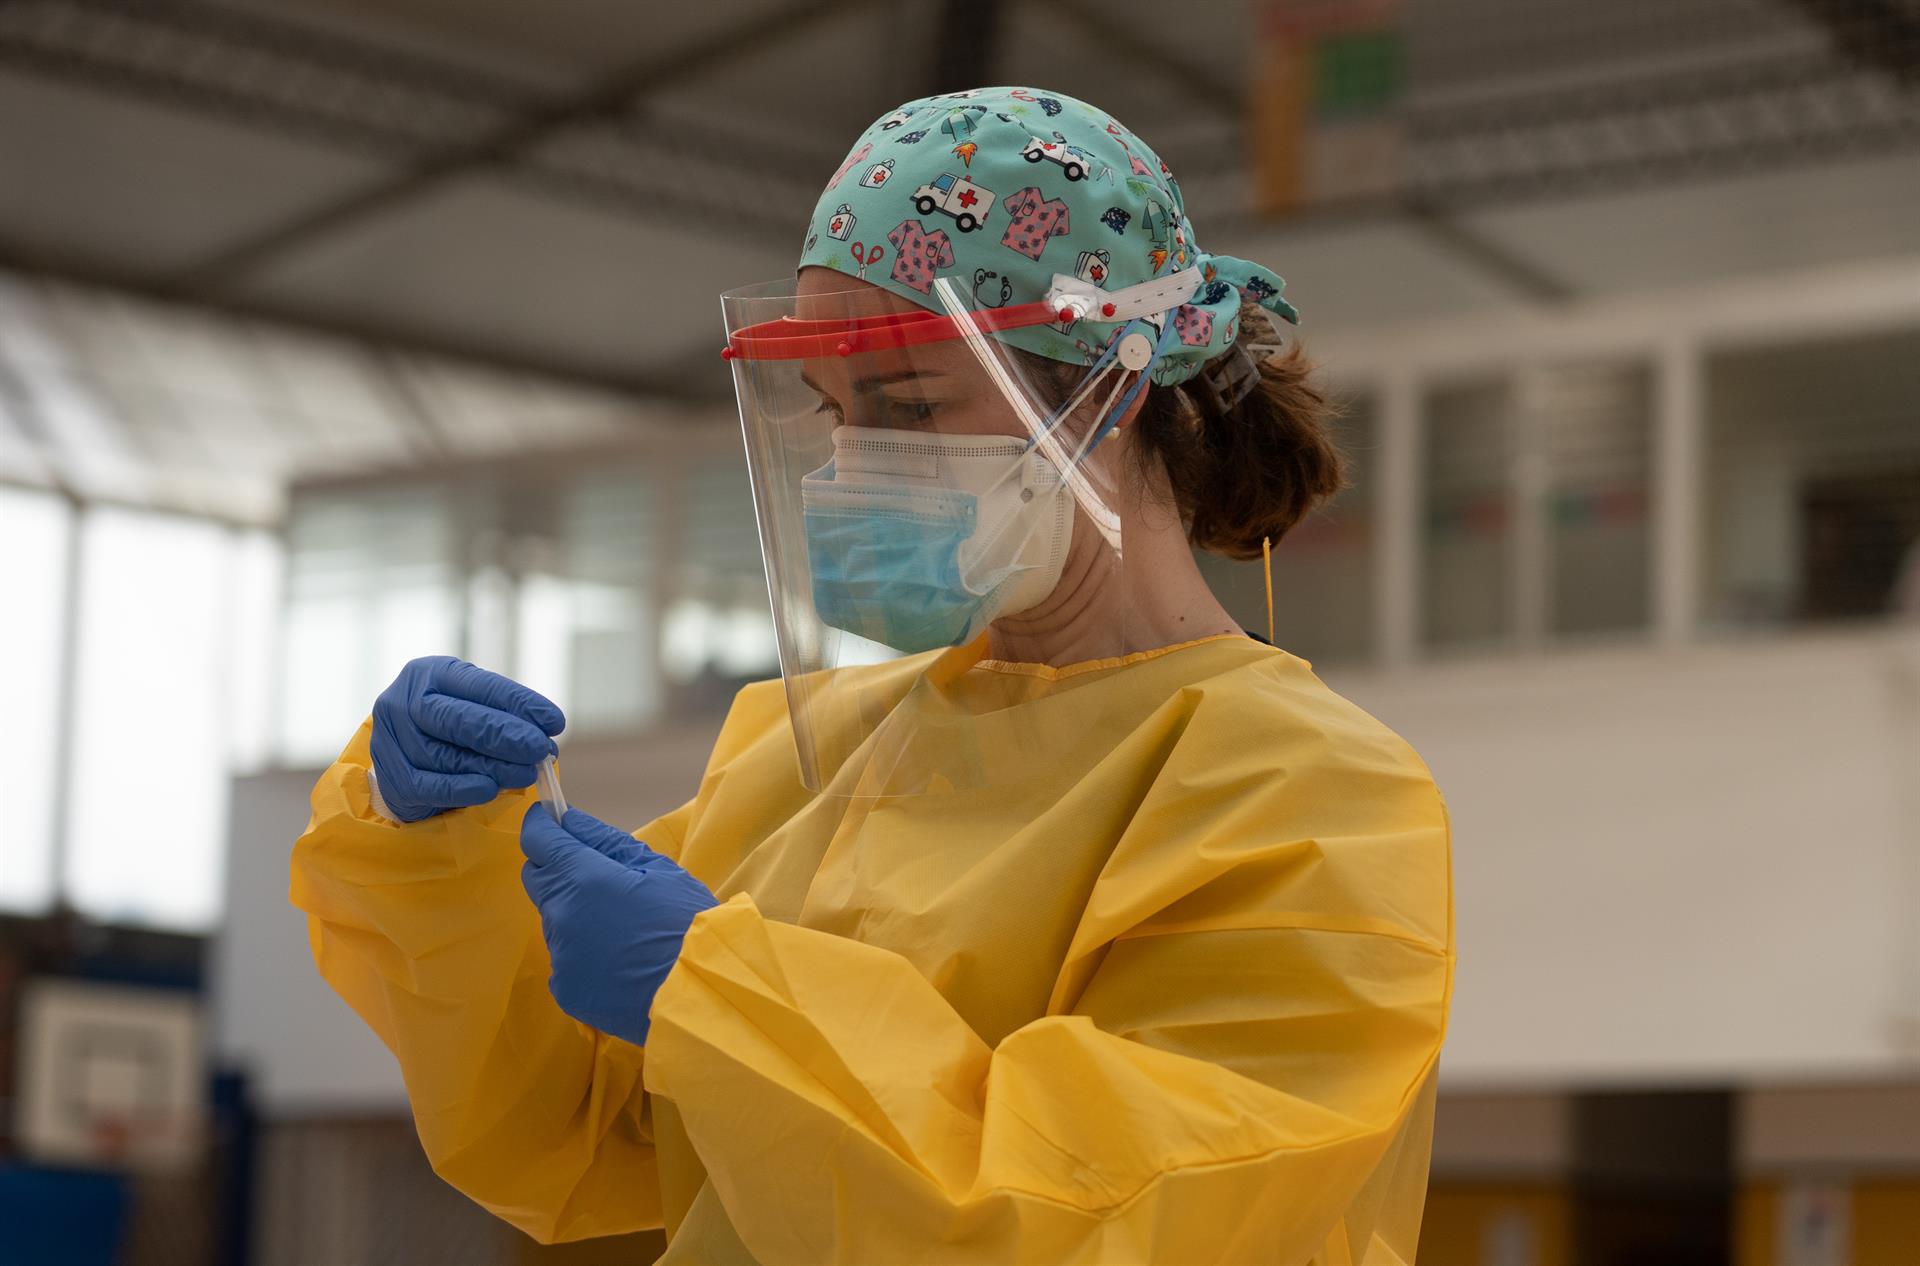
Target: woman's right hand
[447, 735]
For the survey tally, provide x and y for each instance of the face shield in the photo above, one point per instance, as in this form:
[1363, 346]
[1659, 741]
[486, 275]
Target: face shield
[916, 481]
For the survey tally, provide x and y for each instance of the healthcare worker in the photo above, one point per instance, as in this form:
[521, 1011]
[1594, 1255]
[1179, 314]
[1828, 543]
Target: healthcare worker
[1039, 914]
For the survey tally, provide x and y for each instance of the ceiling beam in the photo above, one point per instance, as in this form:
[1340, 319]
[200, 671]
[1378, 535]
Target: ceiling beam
[1437, 225]
[1875, 35]
[366, 99]
[687, 385]
[1486, 256]
[963, 45]
[1208, 86]
[611, 96]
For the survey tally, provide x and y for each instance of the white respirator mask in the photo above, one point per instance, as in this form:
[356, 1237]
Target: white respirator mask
[919, 540]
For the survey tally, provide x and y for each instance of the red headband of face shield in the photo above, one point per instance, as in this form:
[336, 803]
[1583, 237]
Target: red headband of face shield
[790, 338]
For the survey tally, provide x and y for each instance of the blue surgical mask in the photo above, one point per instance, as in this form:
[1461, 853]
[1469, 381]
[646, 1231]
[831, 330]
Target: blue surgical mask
[919, 540]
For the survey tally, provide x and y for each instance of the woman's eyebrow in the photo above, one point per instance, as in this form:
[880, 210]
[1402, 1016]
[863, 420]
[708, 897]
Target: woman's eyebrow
[862, 386]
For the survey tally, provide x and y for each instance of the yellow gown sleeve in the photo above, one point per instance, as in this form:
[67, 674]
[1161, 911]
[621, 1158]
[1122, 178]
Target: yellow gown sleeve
[1222, 1091]
[425, 931]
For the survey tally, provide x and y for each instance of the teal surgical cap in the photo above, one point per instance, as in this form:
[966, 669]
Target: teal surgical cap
[1002, 188]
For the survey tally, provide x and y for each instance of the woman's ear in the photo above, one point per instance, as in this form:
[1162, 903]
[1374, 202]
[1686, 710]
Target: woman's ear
[1139, 402]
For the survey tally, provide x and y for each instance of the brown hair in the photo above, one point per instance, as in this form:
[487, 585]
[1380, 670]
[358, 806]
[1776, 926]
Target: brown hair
[1248, 474]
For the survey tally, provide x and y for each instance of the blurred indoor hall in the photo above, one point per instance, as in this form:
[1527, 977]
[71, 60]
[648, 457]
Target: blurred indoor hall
[339, 332]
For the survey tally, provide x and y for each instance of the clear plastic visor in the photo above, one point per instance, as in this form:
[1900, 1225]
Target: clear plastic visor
[915, 480]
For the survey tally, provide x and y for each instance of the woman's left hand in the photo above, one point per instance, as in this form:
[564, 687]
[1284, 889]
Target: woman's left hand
[614, 913]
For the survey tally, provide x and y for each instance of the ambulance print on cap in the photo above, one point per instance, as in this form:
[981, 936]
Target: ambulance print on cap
[956, 196]
[1007, 189]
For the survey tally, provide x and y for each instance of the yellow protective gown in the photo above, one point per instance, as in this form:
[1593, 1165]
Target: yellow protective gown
[1176, 997]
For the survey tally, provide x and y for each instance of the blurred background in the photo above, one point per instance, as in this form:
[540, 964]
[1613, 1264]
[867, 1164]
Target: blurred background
[335, 332]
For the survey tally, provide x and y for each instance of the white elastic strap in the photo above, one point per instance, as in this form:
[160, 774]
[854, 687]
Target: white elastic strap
[1148, 299]
[1079, 397]
[1100, 428]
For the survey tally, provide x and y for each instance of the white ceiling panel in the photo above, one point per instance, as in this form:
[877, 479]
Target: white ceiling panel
[122, 181]
[1799, 217]
[490, 265]
[823, 83]
[1368, 274]
[108, 184]
[554, 40]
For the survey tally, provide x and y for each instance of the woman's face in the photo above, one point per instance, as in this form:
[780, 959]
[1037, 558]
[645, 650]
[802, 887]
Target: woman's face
[940, 386]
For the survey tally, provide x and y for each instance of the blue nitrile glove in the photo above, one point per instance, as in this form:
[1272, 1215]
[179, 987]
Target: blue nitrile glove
[447, 734]
[614, 913]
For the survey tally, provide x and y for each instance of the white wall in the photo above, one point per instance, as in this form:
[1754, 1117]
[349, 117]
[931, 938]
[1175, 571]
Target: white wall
[1672, 863]
[1677, 864]
[271, 1012]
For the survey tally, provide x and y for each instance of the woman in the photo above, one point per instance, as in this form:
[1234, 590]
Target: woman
[1089, 929]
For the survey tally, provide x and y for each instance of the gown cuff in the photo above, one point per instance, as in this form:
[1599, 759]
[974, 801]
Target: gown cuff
[379, 802]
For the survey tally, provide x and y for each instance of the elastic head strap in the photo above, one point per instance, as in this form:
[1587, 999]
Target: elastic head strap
[1139, 384]
[1148, 299]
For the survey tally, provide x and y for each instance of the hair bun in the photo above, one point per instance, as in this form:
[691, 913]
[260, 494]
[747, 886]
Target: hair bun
[1243, 473]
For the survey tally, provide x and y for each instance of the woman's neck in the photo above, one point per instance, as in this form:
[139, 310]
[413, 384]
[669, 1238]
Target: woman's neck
[1149, 595]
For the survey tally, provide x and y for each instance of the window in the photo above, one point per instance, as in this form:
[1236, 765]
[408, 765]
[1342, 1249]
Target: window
[149, 655]
[1537, 506]
[371, 583]
[256, 588]
[625, 592]
[586, 619]
[1323, 569]
[38, 529]
[719, 630]
[1597, 424]
[152, 739]
[1813, 481]
[1468, 572]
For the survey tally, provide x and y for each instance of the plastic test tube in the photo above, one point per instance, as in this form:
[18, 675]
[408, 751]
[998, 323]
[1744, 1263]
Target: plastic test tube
[547, 780]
